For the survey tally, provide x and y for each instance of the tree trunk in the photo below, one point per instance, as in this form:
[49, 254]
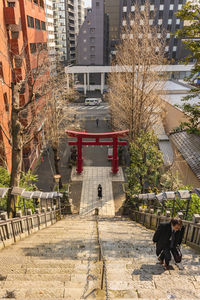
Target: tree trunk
[56, 164]
[17, 148]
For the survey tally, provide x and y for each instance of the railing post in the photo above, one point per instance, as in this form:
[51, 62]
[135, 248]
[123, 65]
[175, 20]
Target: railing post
[27, 222]
[13, 231]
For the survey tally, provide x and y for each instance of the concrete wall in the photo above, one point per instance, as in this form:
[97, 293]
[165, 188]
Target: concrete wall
[173, 117]
[186, 174]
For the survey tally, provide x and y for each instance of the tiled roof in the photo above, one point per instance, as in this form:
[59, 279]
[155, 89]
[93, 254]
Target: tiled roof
[189, 146]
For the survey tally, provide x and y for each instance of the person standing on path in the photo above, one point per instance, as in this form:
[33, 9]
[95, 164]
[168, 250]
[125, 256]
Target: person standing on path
[168, 238]
[97, 122]
[99, 189]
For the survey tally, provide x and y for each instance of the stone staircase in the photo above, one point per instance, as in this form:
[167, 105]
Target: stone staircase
[57, 262]
[61, 262]
[132, 271]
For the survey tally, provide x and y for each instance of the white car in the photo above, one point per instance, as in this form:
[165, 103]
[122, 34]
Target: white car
[93, 101]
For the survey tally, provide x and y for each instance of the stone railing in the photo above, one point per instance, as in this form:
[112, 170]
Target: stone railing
[15, 229]
[151, 220]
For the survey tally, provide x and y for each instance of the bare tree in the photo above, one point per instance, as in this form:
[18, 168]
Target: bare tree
[134, 88]
[24, 125]
[59, 114]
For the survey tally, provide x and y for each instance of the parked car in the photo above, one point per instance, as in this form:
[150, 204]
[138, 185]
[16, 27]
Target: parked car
[93, 101]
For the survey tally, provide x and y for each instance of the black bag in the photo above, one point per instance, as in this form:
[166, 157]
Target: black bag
[177, 255]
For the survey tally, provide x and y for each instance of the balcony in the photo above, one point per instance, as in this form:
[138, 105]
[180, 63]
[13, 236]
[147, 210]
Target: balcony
[14, 46]
[9, 13]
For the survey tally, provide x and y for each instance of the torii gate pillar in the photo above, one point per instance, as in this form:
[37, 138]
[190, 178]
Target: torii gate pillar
[97, 136]
[79, 168]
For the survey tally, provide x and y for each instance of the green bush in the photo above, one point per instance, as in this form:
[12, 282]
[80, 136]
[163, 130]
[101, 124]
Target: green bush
[27, 181]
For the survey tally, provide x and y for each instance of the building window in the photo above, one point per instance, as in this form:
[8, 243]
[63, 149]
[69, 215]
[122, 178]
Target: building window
[43, 25]
[125, 9]
[5, 97]
[30, 22]
[175, 42]
[92, 30]
[169, 28]
[132, 8]
[42, 3]
[37, 24]
[97, 4]
[45, 46]
[92, 40]
[35, 1]
[1, 71]
[92, 57]
[11, 3]
[33, 48]
[92, 48]
[39, 47]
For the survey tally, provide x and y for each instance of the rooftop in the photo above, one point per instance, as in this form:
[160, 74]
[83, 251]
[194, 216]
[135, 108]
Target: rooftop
[189, 146]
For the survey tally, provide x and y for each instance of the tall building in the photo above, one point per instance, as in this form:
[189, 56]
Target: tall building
[112, 9]
[165, 16]
[68, 17]
[50, 34]
[92, 44]
[23, 25]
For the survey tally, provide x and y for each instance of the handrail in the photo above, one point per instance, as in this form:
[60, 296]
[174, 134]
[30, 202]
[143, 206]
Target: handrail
[12, 228]
[151, 221]
[103, 260]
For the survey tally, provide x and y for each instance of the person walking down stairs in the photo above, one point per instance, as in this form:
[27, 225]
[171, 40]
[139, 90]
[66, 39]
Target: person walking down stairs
[99, 191]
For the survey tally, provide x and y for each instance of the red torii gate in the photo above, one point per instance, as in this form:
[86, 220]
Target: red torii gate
[97, 136]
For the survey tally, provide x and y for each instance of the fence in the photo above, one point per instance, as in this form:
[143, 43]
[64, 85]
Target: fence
[12, 230]
[183, 201]
[151, 221]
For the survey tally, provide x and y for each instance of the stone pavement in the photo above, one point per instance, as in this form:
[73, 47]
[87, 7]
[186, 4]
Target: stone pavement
[92, 177]
[132, 271]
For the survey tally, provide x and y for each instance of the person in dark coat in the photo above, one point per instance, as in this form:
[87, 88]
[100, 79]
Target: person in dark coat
[99, 191]
[168, 238]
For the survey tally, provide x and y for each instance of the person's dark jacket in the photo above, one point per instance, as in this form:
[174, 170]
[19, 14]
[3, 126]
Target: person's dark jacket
[162, 236]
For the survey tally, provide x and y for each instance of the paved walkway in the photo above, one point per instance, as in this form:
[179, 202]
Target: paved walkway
[92, 177]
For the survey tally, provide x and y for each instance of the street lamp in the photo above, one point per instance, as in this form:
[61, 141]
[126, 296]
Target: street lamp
[57, 179]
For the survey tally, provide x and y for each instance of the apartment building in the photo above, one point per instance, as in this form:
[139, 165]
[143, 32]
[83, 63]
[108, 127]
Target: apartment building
[23, 25]
[164, 15]
[68, 17]
[92, 46]
[50, 34]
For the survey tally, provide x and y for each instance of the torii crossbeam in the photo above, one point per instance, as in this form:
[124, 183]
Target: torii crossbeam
[97, 136]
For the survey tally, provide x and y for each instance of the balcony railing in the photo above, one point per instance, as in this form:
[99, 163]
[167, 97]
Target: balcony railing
[9, 14]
